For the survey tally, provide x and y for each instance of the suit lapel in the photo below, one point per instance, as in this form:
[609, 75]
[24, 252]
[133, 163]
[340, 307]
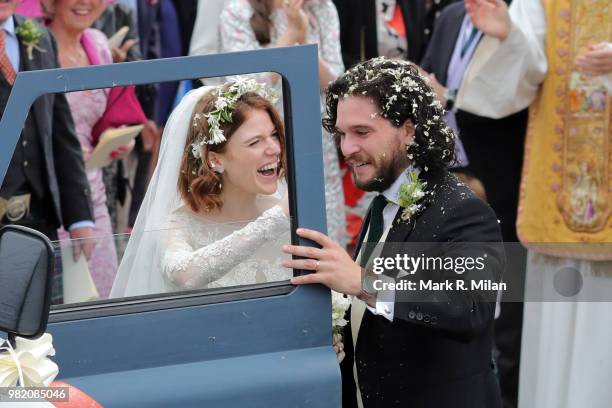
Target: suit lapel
[362, 231]
[27, 64]
[400, 230]
[357, 306]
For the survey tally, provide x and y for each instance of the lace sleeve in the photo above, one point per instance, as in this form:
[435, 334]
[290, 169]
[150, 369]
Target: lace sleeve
[190, 268]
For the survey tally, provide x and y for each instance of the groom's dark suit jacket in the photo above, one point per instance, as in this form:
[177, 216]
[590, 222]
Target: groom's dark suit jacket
[47, 162]
[435, 354]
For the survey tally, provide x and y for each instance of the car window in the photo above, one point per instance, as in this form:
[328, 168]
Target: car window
[197, 255]
[300, 111]
[223, 229]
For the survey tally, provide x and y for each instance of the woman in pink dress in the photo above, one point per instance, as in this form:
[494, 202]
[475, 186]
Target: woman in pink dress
[80, 46]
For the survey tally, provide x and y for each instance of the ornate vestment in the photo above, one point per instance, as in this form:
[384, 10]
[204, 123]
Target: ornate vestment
[566, 189]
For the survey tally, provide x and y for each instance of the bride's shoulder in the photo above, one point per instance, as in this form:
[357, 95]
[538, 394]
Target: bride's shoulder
[182, 215]
[185, 214]
[265, 202]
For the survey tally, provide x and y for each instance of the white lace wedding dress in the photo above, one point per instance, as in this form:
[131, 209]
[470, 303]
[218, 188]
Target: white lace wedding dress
[172, 248]
[198, 253]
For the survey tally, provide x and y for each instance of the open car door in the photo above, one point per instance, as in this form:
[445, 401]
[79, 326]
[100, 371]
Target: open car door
[264, 345]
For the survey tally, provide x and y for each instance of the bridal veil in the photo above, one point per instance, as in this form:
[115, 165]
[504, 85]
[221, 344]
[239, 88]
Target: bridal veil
[140, 270]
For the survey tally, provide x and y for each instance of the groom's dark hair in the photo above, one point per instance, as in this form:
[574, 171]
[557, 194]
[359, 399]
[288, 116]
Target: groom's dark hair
[400, 93]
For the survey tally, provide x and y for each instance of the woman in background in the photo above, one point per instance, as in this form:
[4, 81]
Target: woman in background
[81, 46]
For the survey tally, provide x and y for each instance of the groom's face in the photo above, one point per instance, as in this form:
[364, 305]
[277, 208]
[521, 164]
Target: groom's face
[373, 148]
[7, 8]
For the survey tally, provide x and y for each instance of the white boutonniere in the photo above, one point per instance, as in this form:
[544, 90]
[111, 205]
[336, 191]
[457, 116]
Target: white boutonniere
[30, 35]
[409, 196]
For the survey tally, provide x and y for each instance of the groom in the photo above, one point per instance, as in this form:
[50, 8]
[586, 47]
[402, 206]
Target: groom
[419, 348]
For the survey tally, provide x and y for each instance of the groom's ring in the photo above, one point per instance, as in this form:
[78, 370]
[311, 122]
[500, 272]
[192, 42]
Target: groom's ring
[316, 266]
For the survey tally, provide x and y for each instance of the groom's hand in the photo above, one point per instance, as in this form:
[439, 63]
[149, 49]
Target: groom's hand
[333, 266]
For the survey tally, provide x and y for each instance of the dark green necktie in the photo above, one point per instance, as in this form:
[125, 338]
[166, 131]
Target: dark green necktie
[375, 228]
[469, 41]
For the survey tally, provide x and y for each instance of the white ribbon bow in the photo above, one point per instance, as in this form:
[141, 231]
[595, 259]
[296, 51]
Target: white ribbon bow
[28, 362]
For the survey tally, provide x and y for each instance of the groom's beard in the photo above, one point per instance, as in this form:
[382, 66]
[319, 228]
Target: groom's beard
[386, 173]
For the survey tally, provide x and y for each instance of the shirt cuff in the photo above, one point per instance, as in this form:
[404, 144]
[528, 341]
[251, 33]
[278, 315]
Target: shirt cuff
[81, 224]
[384, 309]
[385, 301]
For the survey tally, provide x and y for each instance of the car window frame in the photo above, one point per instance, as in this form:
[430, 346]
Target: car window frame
[298, 68]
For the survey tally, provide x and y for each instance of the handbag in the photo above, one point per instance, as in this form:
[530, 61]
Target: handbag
[122, 108]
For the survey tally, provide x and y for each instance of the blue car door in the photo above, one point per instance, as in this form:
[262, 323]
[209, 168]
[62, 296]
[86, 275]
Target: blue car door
[263, 345]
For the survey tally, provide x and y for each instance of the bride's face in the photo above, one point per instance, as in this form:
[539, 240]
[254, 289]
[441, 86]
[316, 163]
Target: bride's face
[252, 155]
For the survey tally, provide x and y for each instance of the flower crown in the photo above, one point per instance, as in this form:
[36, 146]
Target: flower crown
[224, 105]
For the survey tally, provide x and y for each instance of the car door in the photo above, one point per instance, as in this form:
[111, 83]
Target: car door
[263, 345]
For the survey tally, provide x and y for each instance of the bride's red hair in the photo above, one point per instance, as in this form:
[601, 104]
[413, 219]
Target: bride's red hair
[199, 186]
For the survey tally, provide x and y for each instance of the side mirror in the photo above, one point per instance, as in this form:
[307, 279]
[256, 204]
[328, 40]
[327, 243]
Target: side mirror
[26, 269]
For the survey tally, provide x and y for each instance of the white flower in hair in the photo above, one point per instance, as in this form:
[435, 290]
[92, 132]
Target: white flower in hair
[225, 103]
[216, 136]
[195, 150]
[221, 103]
[213, 121]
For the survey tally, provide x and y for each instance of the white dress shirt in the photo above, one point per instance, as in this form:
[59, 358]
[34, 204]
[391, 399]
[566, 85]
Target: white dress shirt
[386, 305]
[11, 44]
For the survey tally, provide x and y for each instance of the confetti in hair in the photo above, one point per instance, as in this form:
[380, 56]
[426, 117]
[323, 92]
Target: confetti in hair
[401, 93]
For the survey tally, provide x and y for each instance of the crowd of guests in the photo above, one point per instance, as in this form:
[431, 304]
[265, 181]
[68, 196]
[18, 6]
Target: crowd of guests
[91, 205]
[166, 28]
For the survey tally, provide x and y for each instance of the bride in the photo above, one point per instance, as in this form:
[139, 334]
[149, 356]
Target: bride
[210, 217]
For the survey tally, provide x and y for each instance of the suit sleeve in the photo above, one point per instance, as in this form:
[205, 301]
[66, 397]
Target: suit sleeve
[155, 33]
[125, 17]
[471, 231]
[432, 52]
[427, 61]
[75, 195]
